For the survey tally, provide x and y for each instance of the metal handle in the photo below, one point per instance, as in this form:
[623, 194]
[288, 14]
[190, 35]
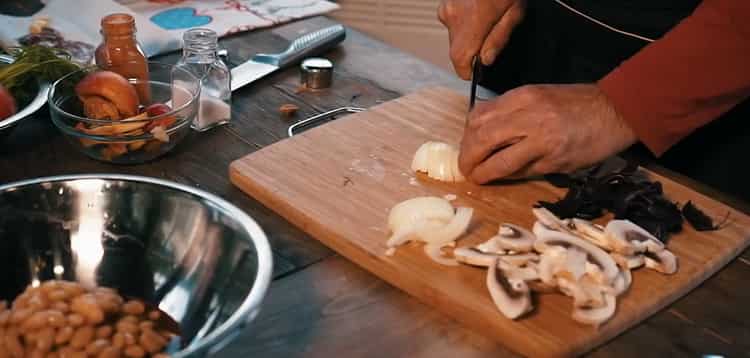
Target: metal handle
[314, 42]
[323, 116]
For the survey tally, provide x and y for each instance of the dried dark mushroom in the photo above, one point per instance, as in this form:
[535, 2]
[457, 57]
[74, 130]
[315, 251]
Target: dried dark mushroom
[698, 219]
[625, 192]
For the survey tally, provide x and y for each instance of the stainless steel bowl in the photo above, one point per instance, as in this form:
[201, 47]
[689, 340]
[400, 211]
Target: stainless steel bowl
[198, 258]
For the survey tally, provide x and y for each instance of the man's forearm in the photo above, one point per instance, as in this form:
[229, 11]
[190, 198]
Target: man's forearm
[695, 73]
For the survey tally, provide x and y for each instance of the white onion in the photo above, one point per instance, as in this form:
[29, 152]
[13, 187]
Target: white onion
[447, 233]
[410, 212]
[431, 220]
[439, 161]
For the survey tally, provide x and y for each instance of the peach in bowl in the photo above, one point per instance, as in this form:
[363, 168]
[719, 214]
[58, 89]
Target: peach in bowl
[101, 113]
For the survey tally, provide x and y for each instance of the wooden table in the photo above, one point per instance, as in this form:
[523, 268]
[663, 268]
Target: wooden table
[319, 303]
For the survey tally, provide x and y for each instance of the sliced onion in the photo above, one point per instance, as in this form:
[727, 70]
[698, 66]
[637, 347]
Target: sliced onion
[457, 175]
[450, 232]
[439, 160]
[411, 212]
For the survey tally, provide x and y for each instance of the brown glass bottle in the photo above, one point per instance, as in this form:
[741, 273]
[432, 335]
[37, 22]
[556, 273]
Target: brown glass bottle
[120, 52]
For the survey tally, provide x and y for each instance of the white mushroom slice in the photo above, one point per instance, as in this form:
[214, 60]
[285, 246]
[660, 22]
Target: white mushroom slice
[622, 282]
[596, 316]
[435, 252]
[491, 246]
[628, 238]
[474, 257]
[629, 262]
[512, 297]
[575, 263]
[550, 263]
[663, 261]
[539, 229]
[515, 238]
[526, 273]
[594, 272]
[590, 232]
[439, 160]
[595, 255]
[584, 295]
[541, 287]
[520, 259]
[548, 219]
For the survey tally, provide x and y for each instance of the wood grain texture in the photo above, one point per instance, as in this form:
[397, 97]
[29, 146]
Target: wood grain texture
[709, 320]
[337, 182]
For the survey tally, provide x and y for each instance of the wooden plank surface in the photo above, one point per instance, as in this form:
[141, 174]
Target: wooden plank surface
[296, 322]
[338, 181]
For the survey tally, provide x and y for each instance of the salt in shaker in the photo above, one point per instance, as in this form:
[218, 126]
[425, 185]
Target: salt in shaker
[199, 57]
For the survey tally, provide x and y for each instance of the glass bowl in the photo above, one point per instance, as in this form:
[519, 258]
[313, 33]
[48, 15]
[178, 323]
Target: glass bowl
[138, 139]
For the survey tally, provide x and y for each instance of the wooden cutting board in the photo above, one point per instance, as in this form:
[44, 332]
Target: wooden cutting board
[338, 181]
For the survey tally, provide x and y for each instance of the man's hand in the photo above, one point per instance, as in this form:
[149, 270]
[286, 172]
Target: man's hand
[541, 129]
[478, 27]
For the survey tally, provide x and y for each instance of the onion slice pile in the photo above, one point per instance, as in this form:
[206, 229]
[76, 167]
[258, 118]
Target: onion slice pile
[431, 220]
[439, 161]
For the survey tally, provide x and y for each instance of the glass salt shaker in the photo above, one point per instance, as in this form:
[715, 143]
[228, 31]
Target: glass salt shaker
[199, 57]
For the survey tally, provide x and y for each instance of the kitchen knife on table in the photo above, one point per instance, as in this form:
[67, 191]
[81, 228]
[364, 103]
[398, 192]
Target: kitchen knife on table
[302, 47]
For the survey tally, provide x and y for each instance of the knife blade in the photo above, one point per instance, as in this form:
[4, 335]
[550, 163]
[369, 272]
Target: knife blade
[303, 46]
[476, 76]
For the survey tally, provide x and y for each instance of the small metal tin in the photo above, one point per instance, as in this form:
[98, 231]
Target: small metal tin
[316, 73]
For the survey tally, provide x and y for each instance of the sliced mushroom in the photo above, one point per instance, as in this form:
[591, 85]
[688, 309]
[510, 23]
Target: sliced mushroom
[595, 255]
[630, 262]
[629, 238]
[663, 261]
[622, 282]
[550, 263]
[435, 252]
[515, 238]
[474, 257]
[591, 232]
[596, 316]
[584, 294]
[540, 287]
[540, 229]
[594, 272]
[548, 219]
[575, 263]
[528, 272]
[520, 259]
[511, 296]
[492, 246]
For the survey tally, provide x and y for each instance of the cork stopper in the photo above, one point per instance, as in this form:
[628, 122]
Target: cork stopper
[118, 24]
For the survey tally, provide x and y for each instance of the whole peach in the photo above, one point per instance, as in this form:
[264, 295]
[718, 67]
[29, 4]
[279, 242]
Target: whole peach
[7, 103]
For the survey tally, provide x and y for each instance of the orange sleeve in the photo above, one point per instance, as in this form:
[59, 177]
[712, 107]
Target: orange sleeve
[699, 70]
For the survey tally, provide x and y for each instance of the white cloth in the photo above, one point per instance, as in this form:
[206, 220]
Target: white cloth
[161, 23]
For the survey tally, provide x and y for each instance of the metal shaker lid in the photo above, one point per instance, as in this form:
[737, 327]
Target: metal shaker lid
[316, 73]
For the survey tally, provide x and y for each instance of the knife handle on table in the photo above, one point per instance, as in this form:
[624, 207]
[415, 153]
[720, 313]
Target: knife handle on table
[306, 45]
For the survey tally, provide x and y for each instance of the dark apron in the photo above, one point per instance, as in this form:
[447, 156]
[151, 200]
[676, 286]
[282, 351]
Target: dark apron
[556, 45]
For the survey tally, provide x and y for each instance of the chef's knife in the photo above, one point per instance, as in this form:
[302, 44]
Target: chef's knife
[476, 76]
[304, 46]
